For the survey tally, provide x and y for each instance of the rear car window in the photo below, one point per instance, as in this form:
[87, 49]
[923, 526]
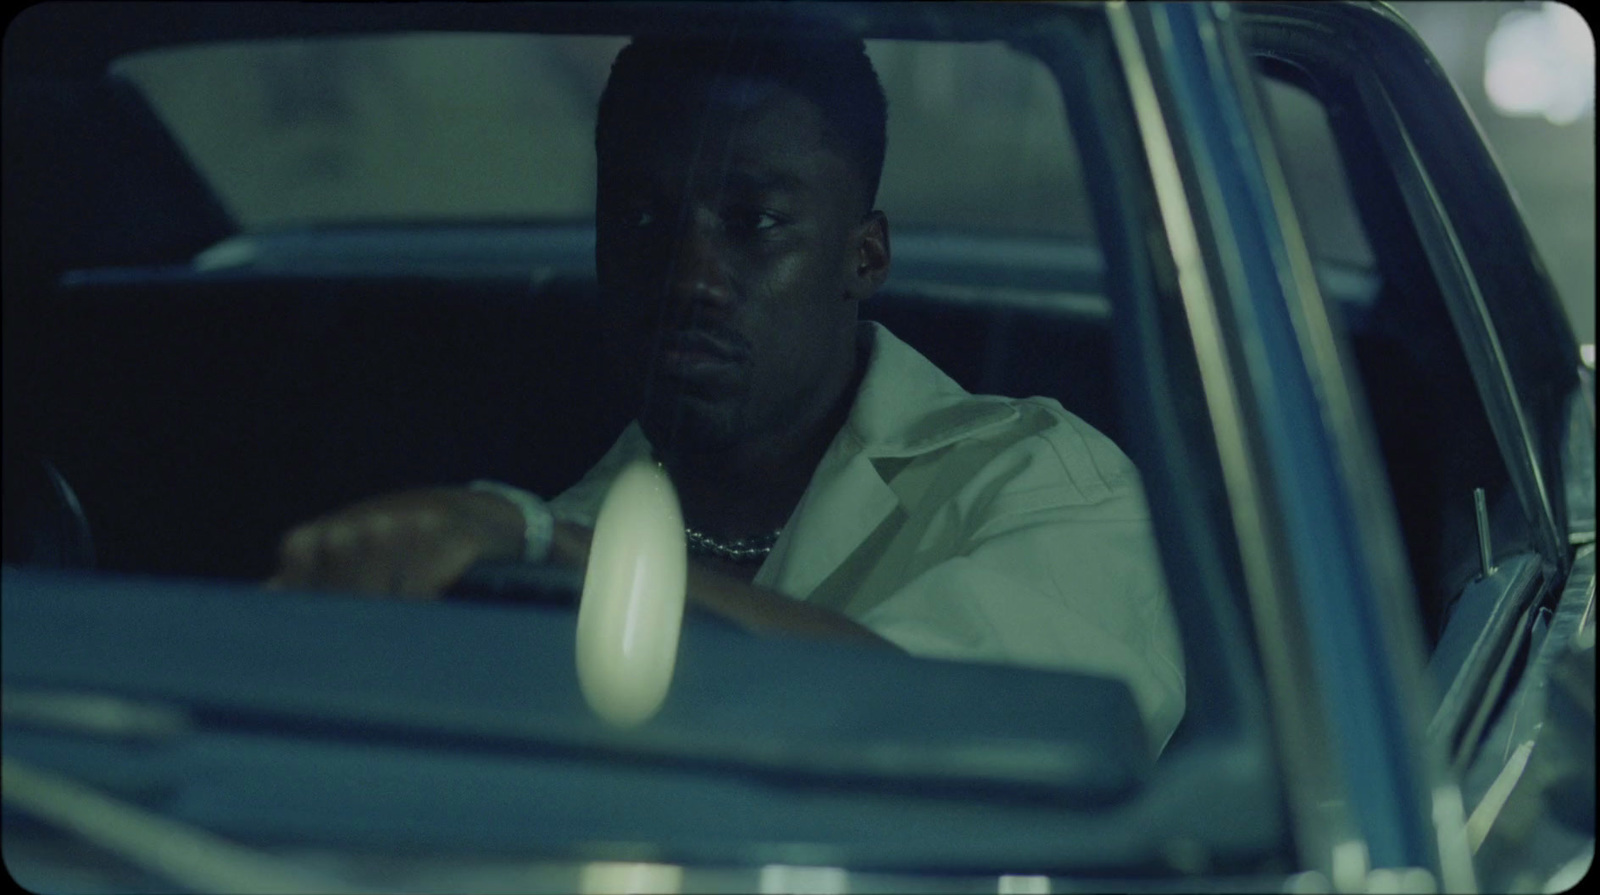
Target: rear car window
[453, 127]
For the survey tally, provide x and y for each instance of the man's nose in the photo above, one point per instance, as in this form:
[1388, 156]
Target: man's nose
[699, 270]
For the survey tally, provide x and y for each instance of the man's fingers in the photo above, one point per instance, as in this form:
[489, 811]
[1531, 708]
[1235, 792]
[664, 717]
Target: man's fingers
[410, 552]
[368, 557]
[429, 575]
[355, 552]
[297, 558]
[421, 542]
[327, 553]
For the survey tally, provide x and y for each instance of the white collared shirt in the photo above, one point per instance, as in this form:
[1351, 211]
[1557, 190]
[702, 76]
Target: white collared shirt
[970, 527]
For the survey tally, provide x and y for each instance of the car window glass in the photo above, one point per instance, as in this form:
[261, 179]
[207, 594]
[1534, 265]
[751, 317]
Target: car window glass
[1431, 424]
[476, 126]
[977, 141]
[327, 383]
[982, 183]
[405, 127]
[1317, 179]
[996, 277]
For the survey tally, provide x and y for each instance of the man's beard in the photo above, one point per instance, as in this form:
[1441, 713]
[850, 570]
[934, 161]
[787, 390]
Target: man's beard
[685, 425]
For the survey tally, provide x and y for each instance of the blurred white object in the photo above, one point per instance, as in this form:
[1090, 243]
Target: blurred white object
[1024, 885]
[633, 597]
[786, 879]
[1541, 62]
[629, 878]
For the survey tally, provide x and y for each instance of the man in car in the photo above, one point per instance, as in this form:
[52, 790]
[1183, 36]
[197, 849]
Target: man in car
[833, 481]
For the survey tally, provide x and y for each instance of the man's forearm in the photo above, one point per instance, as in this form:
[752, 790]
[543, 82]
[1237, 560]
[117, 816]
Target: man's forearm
[751, 607]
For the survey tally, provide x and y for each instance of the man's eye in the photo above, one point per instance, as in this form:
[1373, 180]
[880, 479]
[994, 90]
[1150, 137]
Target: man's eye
[752, 220]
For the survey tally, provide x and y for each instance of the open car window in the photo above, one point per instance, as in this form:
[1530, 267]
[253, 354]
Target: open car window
[1470, 544]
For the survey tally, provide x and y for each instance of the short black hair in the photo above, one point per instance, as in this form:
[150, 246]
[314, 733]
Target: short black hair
[832, 72]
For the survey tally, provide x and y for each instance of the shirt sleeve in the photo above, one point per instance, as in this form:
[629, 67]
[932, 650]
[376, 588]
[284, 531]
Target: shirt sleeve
[1049, 581]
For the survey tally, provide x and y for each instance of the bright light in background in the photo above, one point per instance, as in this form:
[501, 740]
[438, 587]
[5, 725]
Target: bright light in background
[1586, 351]
[1541, 62]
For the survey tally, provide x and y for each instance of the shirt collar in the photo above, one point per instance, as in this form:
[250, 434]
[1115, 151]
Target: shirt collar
[906, 406]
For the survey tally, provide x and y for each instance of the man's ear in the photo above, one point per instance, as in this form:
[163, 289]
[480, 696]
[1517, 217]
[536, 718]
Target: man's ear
[870, 258]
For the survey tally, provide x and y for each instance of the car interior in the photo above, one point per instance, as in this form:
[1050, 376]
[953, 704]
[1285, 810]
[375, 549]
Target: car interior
[195, 412]
[199, 411]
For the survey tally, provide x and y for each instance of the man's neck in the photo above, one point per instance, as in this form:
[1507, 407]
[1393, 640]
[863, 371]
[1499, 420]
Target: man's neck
[754, 487]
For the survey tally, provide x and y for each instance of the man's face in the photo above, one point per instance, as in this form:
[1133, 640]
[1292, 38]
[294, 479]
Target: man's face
[728, 239]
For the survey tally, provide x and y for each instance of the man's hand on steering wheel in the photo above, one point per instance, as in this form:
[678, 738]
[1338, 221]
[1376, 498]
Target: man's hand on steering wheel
[411, 544]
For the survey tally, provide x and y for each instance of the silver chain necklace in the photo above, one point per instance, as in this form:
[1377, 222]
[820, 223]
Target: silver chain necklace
[739, 550]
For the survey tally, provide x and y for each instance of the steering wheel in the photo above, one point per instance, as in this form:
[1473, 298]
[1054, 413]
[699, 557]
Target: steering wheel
[507, 582]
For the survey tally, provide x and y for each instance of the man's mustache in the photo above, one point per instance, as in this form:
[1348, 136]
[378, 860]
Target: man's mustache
[666, 327]
[717, 341]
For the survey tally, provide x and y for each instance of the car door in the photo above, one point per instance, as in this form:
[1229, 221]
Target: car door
[1340, 650]
[1404, 429]
[1464, 363]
